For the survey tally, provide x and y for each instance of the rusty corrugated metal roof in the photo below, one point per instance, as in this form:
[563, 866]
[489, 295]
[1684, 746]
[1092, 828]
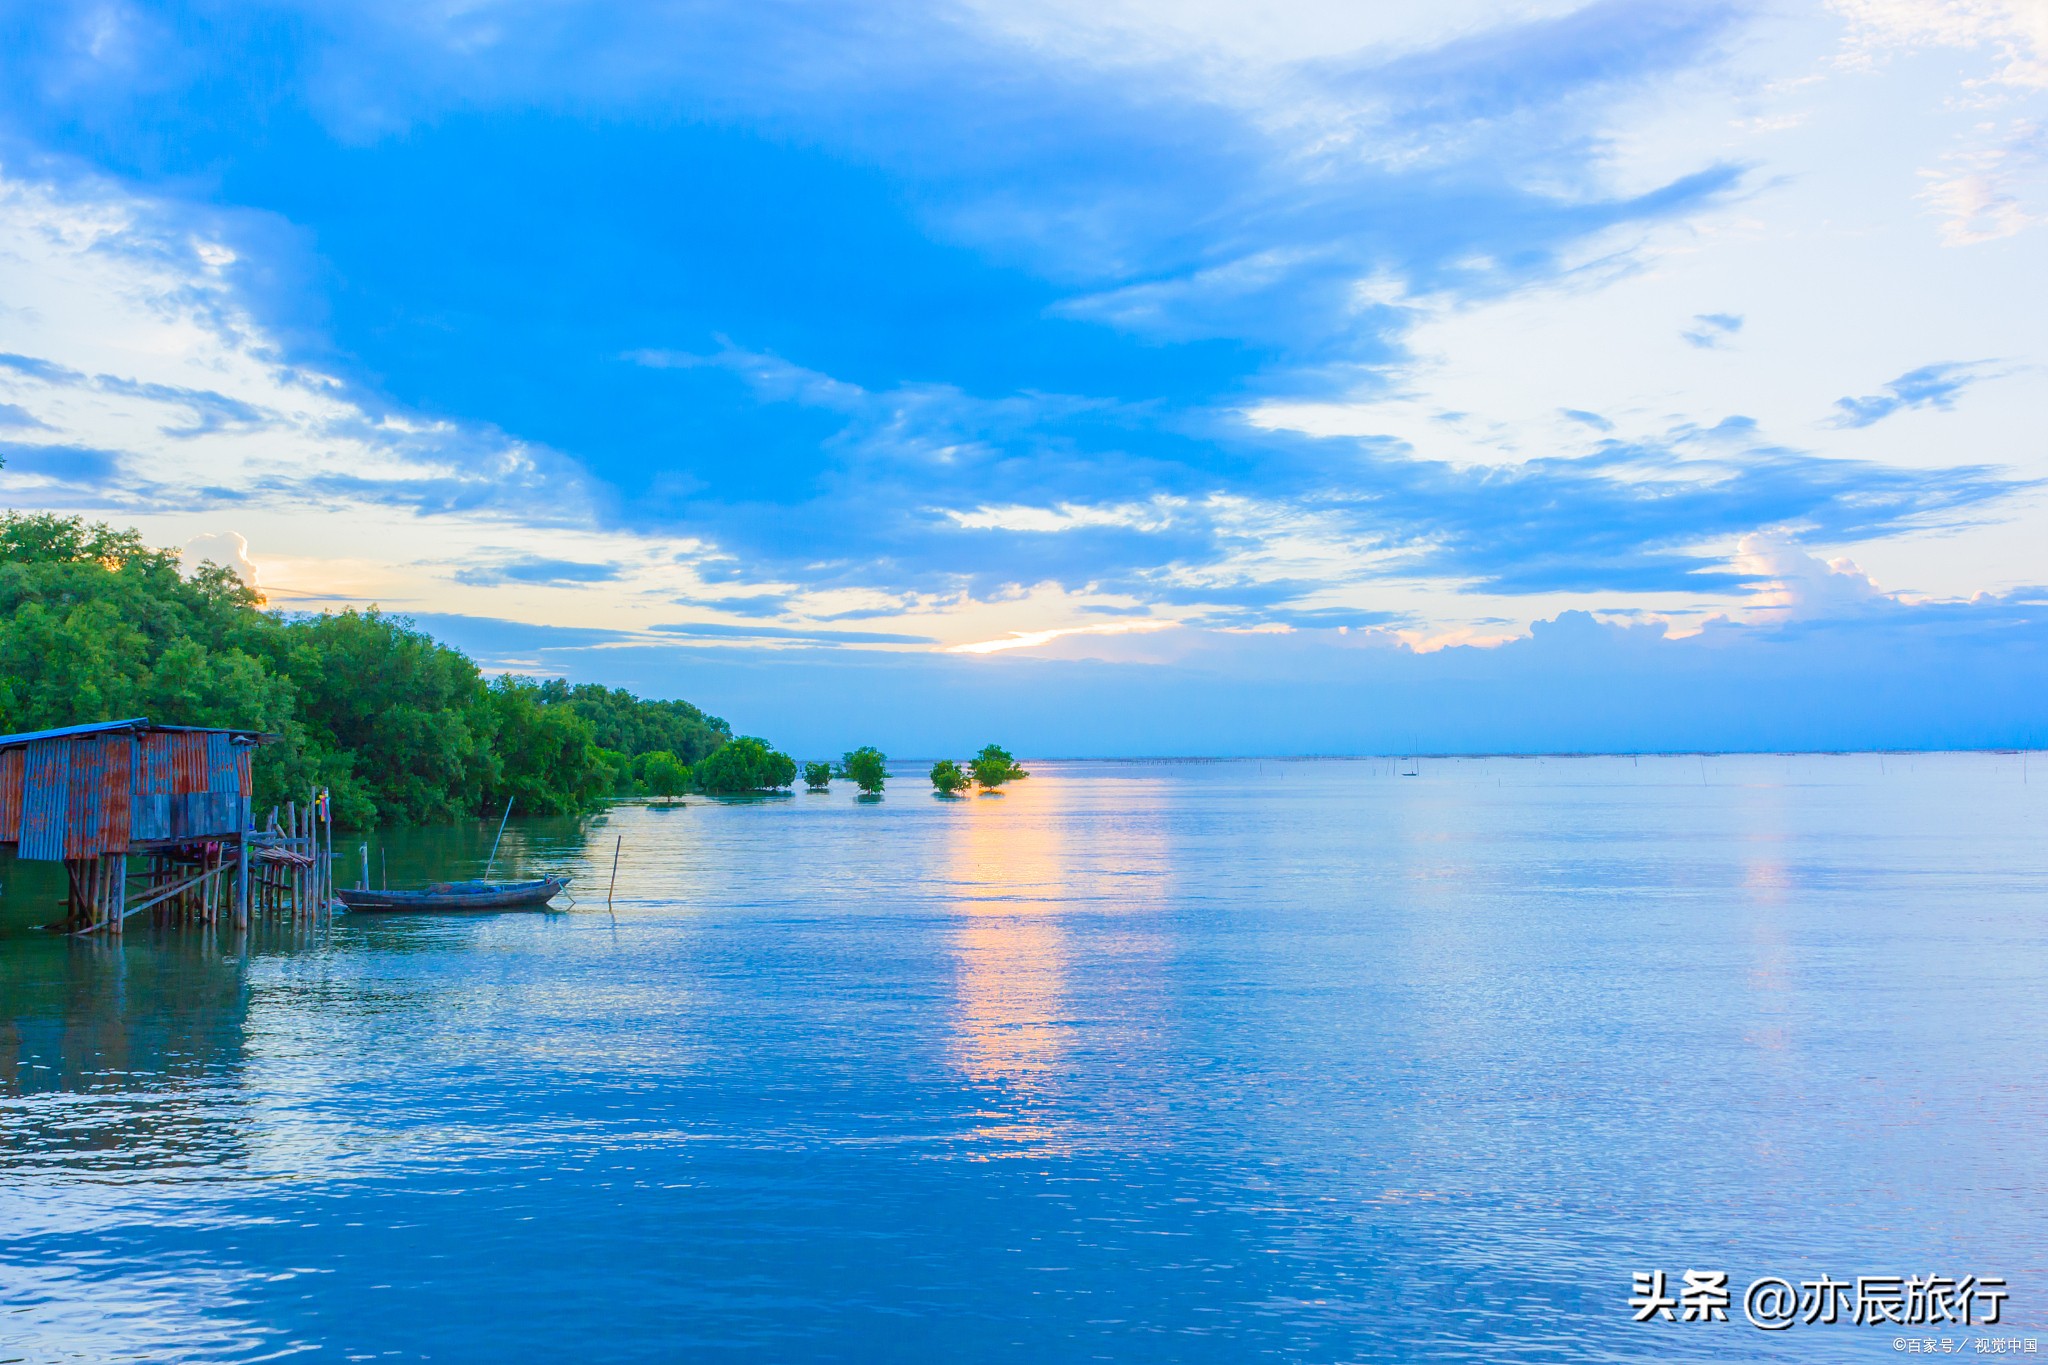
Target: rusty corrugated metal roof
[136, 723]
[85, 790]
[97, 727]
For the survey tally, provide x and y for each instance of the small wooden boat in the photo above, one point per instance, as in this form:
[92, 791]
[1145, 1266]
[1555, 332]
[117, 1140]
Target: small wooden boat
[458, 896]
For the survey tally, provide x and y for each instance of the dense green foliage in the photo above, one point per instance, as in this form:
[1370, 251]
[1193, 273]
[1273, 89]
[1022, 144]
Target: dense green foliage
[745, 765]
[626, 724]
[993, 766]
[948, 778]
[96, 625]
[661, 773]
[817, 776]
[867, 767]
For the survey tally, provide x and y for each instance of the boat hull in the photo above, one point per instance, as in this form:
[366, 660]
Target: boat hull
[457, 896]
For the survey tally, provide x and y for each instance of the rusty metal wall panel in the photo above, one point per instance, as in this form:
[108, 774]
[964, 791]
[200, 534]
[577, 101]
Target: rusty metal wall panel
[159, 772]
[10, 795]
[119, 752]
[149, 785]
[245, 770]
[221, 773]
[82, 818]
[96, 807]
[45, 800]
[189, 763]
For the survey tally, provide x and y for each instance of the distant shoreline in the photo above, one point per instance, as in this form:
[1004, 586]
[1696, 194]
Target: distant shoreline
[1504, 753]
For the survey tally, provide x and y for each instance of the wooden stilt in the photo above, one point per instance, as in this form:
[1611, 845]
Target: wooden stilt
[291, 842]
[242, 877]
[327, 856]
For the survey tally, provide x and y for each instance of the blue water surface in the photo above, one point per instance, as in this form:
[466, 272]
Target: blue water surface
[1293, 1061]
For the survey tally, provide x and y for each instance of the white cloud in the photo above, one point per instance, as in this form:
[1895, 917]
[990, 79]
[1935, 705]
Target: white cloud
[2015, 30]
[1802, 587]
[159, 400]
[1031, 639]
[225, 548]
[1156, 515]
[1992, 190]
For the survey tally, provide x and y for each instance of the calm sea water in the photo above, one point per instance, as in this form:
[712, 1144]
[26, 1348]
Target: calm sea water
[1201, 1061]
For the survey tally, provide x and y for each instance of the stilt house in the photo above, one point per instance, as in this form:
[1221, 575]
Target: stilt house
[91, 796]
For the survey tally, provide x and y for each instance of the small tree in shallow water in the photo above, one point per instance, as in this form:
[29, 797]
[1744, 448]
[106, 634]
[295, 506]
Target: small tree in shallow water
[948, 778]
[662, 773]
[867, 767]
[817, 776]
[993, 766]
[745, 764]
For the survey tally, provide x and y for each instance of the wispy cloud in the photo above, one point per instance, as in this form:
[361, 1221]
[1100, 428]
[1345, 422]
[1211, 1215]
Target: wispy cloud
[722, 630]
[1930, 386]
[1994, 189]
[1032, 639]
[892, 314]
[537, 571]
[1711, 330]
[2015, 30]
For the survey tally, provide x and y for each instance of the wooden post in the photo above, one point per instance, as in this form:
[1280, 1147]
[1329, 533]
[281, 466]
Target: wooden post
[363, 883]
[615, 879]
[242, 877]
[291, 842]
[327, 858]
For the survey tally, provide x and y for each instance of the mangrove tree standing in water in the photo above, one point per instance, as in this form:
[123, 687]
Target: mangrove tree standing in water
[817, 776]
[662, 774]
[948, 778]
[867, 767]
[745, 764]
[993, 766]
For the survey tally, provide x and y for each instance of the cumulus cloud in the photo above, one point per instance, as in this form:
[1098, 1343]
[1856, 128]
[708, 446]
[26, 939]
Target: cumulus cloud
[228, 549]
[1791, 584]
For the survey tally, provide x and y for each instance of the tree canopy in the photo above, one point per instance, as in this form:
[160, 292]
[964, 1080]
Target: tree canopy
[948, 777]
[867, 767]
[97, 625]
[993, 766]
[745, 764]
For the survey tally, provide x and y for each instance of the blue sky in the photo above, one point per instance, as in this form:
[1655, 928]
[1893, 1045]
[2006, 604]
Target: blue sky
[1137, 359]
